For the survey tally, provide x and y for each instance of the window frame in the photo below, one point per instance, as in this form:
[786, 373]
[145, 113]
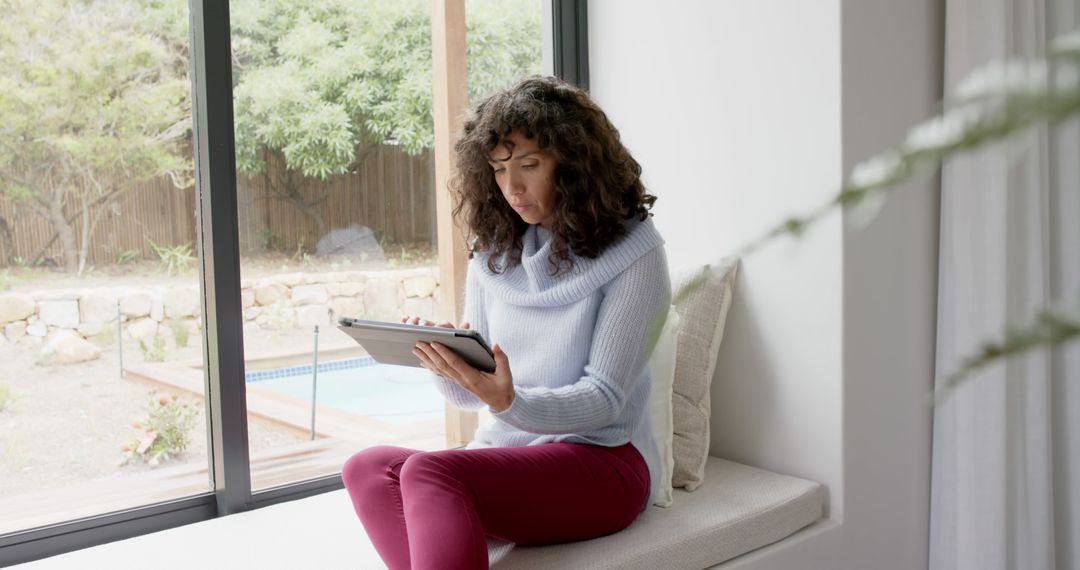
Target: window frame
[215, 169]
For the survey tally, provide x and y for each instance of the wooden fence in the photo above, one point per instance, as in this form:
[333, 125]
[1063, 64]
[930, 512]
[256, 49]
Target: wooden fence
[390, 192]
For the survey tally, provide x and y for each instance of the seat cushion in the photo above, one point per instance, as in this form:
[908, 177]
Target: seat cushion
[736, 510]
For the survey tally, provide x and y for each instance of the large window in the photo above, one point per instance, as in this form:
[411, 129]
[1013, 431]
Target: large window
[159, 204]
[98, 266]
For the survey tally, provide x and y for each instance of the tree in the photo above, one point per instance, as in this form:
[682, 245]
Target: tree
[94, 98]
[319, 83]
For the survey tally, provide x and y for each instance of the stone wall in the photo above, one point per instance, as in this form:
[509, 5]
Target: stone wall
[277, 302]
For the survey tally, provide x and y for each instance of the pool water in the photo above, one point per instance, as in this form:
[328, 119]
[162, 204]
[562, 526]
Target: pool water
[394, 394]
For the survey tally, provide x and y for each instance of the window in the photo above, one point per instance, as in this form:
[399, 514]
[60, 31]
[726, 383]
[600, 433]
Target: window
[328, 106]
[99, 277]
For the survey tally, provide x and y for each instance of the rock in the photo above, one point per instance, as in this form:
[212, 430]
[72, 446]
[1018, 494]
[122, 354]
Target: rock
[181, 303]
[290, 279]
[333, 289]
[280, 316]
[142, 329]
[15, 330]
[67, 347]
[59, 313]
[420, 307]
[247, 298]
[346, 307]
[37, 329]
[309, 295]
[97, 309]
[419, 286]
[251, 313]
[351, 288]
[136, 305]
[16, 307]
[355, 242]
[312, 315]
[94, 329]
[381, 299]
[270, 293]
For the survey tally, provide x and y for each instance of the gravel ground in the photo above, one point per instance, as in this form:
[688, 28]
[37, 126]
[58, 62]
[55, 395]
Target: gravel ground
[66, 424]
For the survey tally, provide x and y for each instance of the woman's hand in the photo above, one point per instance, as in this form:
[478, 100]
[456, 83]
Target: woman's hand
[424, 322]
[496, 389]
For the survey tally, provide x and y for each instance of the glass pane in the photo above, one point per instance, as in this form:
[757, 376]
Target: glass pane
[101, 349]
[336, 217]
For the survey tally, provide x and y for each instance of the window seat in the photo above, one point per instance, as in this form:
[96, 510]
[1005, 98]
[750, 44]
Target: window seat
[737, 509]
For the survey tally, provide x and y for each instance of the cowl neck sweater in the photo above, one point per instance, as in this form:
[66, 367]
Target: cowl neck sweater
[575, 342]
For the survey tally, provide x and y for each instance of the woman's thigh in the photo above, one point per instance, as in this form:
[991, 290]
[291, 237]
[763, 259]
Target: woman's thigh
[543, 494]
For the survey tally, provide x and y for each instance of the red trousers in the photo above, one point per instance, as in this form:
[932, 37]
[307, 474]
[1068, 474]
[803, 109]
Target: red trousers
[434, 510]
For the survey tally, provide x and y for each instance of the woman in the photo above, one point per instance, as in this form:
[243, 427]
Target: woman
[566, 275]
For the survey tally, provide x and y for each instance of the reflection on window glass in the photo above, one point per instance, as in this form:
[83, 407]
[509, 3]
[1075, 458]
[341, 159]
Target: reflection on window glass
[336, 197]
[99, 292]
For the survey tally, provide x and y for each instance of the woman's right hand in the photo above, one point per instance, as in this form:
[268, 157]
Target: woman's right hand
[424, 322]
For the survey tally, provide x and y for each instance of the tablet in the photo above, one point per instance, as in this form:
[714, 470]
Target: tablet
[392, 343]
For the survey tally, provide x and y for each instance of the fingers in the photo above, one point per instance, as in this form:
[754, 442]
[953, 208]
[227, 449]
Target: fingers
[465, 326]
[418, 321]
[432, 359]
[502, 361]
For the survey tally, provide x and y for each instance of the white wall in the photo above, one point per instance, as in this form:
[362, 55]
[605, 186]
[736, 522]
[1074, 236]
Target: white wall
[733, 110]
[741, 113]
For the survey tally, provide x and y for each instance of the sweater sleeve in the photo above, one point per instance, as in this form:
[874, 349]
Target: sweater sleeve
[631, 301]
[473, 314]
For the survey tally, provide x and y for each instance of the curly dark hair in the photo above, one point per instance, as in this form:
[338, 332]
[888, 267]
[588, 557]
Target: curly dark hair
[597, 183]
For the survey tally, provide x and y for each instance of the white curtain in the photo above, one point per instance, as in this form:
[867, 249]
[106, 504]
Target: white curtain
[1005, 488]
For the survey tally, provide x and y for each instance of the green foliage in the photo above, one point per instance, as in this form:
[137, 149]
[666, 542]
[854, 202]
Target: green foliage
[997, 102]
[5, 397]
[166, 431]
[281, 316]
[315, 80]
[1050, 328]
[174, 259]
[272, 241]
[154, 351]
[126, 256]
[994, 104]
[180, 331]
[94, 96]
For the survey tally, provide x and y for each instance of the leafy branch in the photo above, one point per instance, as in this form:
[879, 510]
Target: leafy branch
[991, 105]
[1051, 328]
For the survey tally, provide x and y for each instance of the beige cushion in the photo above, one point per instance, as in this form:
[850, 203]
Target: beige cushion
[662, 372]
[739, 509]
[702, 297]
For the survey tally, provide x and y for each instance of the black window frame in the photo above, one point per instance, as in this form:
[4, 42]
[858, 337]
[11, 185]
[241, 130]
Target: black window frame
[223, 351]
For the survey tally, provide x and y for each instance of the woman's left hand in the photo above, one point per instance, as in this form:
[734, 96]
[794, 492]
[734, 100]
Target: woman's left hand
[496, 389]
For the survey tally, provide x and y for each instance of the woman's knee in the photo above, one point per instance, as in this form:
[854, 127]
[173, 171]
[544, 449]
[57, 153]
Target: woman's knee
[371, 463]
[426, 467]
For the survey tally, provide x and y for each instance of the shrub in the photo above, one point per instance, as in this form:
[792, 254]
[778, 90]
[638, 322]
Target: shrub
[155, 351]
[5, 397]
[180, 331]
[175, 259]
[165, 432]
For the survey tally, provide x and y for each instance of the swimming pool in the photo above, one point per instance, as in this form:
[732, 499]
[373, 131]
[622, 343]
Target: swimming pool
[394, 394]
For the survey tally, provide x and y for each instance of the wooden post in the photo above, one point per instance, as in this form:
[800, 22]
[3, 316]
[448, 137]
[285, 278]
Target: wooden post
[449, 100]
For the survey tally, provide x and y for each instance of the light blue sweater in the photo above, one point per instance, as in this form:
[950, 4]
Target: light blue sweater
[576, 343]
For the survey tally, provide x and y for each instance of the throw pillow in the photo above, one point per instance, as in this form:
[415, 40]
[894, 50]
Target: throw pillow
[702, 297]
